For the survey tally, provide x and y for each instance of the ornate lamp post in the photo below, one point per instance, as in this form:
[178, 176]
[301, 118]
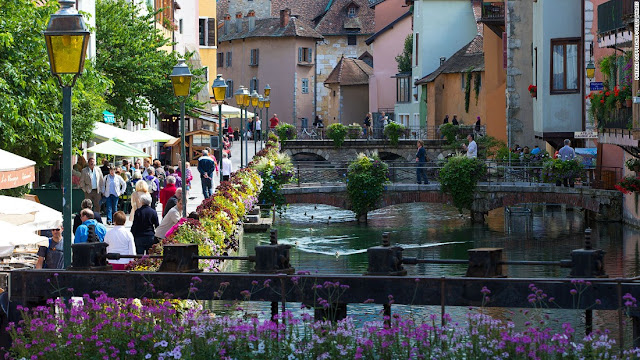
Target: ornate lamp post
[267, 103]
[67, 38]
[219, 92]
[181, 82]
[240, 95]
[255, 98]
[260, 106]
[247, 103]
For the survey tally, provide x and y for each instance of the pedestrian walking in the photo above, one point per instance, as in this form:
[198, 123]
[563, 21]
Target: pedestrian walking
[258, 129]
[85, 204]
[154, 186]
[90, 230]
[52, 256]
[114, 186]
[173, 216]
[206, 167]
[455, 120]
[120, 241]
[141, 189]
[421, 162]
[168, 191]
[91, 182]
[472, 148]
[566, 153]
[274, 122]
[226, 167]
[367, 125]
[145, 221]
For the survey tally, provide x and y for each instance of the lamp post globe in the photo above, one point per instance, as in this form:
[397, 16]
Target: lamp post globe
[66, 38]
[181, 82]
[254, 98]
[267, 90]
[219, 93]
[591, 70]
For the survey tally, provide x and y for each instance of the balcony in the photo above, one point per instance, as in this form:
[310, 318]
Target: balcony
[614, 15]
[616, 128]
[493, 12]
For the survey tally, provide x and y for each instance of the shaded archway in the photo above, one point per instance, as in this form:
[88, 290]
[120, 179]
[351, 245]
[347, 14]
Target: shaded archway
[307, 156]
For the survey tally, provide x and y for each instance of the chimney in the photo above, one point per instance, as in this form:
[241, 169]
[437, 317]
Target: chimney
[252, 19]
[285, 14]
[442, 60]
[227, 23]
[239, 22]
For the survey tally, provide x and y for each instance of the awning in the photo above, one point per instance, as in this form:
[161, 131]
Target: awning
[174, 142]
[106, 132]
[15, 170]
[117, 148]
[153, 135]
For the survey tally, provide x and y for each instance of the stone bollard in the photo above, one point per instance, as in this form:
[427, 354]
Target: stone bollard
[385, 259]
[587, 262]
[180, 258]
[90, 256]
[485, 262]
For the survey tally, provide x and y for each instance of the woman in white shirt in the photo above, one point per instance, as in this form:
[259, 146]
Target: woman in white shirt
[141, 188]
[120, 241]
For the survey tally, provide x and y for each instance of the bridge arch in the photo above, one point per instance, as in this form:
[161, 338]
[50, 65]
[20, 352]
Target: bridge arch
[308, 156]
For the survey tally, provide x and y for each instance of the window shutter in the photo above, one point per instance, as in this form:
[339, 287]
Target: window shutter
[257, 56]
[211, 32]
[299, 54]
[310, 55]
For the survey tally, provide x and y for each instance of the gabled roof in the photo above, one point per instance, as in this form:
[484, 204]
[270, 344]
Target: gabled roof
[470, 56]
[350, 72]
[269, 28]
[387, 28]
[334, 20]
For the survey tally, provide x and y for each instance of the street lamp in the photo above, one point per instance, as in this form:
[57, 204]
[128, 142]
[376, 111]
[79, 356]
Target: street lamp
[219, 92]
[181, 82]
[241, 94]
[267, 105]
[66, 38]
[260, 106]
[247, 103]
[591, 70]
[255, 99]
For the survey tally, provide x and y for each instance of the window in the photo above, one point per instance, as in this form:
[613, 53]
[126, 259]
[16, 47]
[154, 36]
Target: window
[352, 40]
[403, 89]
[180, 24]
[305, 86]
[229, 93]
[403, 119]
[417, 52]
[565, 69]
[229, 59]
[206, 31]
[220, 60]
[305, 55]
[253, 85]
[351, 11]
[254, 57]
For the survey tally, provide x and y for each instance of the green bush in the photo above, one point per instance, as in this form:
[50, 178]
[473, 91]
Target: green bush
[366, 177]
[337, 132]
[449, 131]
[393, 131]
[354, 131]
[285, 132]
[459, 177]
[554, 170]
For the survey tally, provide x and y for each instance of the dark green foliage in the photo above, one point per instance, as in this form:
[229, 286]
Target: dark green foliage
[404, 59]
[459, 177]
[476, 85]
[449, 131]
[132, 52]
[285, 132]
[393, 131]
[337, 132]
[366, 177]
[555, 170]
[467, 90]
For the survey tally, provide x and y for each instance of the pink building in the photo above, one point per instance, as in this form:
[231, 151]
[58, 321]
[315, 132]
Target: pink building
[387, 43]
[387, 11]
[275, 51]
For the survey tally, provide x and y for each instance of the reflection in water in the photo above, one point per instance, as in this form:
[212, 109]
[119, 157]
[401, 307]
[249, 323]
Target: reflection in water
[327, 240]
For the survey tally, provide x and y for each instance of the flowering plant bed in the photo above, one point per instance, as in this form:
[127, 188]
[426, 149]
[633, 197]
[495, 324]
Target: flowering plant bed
[533, 90]
[100, 327]
[275, 169]
[628, 185]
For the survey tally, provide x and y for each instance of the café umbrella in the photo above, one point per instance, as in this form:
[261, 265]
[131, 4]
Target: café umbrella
[17, 235]
[28, 214]
[15, 170]
[117, 148]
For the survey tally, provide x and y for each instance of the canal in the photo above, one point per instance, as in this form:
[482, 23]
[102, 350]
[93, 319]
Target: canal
[328, 240]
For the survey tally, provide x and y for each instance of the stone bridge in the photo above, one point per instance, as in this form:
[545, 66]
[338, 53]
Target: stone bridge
[324, 150]
[606, 205]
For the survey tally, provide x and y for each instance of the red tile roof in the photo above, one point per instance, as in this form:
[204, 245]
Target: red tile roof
[350, 72]
[269, 28]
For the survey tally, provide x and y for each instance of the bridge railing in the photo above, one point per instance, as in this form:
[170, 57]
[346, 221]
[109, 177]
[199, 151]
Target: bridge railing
[322, 172]
[377, 133]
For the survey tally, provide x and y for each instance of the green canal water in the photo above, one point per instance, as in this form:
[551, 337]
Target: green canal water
[325, 239]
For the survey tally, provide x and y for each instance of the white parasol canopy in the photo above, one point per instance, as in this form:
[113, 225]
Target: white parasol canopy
[15, 170]
[28, 214]
[16, 235]
[230, 111]
[154, 135]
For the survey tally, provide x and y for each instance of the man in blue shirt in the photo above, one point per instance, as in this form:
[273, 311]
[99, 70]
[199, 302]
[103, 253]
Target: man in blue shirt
[206, 167]
[90, 230]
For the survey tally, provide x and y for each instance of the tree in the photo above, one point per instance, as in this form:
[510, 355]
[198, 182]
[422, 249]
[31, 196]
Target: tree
[131, 51]
[30, 98]
[404, 59]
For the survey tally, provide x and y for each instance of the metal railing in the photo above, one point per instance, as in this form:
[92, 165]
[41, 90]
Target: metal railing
[377, 133]
[328, 173]
[493, 11]
[612, 15]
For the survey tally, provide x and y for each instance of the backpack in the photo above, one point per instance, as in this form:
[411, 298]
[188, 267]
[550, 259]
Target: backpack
[153, 186]
[92, 237]
[161, 178]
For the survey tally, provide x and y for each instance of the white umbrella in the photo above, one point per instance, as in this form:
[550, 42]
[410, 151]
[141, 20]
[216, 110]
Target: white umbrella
[230, 111]
[28, 214]
[117, 148]
[154, 135]
[16, 235]
[15, 170]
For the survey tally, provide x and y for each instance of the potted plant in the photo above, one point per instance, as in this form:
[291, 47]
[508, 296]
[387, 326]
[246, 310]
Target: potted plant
[337, 132]
[533, 91]
[633, 164]
[629, 184]
[393, 131]
[556, 170]
[628, 101]
[354, 131]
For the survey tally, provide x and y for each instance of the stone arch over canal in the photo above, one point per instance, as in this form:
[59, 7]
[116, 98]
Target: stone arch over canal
[605, 204]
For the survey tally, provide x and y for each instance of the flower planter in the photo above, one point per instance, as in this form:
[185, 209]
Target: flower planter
[353, 133]
[628, 102]
[533, 95]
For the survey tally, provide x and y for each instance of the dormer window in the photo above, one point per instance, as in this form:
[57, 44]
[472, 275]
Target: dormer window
[351, 11]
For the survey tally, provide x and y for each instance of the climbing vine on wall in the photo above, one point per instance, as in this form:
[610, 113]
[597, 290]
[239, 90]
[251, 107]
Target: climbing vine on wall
[467, 90]
[476, 86]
